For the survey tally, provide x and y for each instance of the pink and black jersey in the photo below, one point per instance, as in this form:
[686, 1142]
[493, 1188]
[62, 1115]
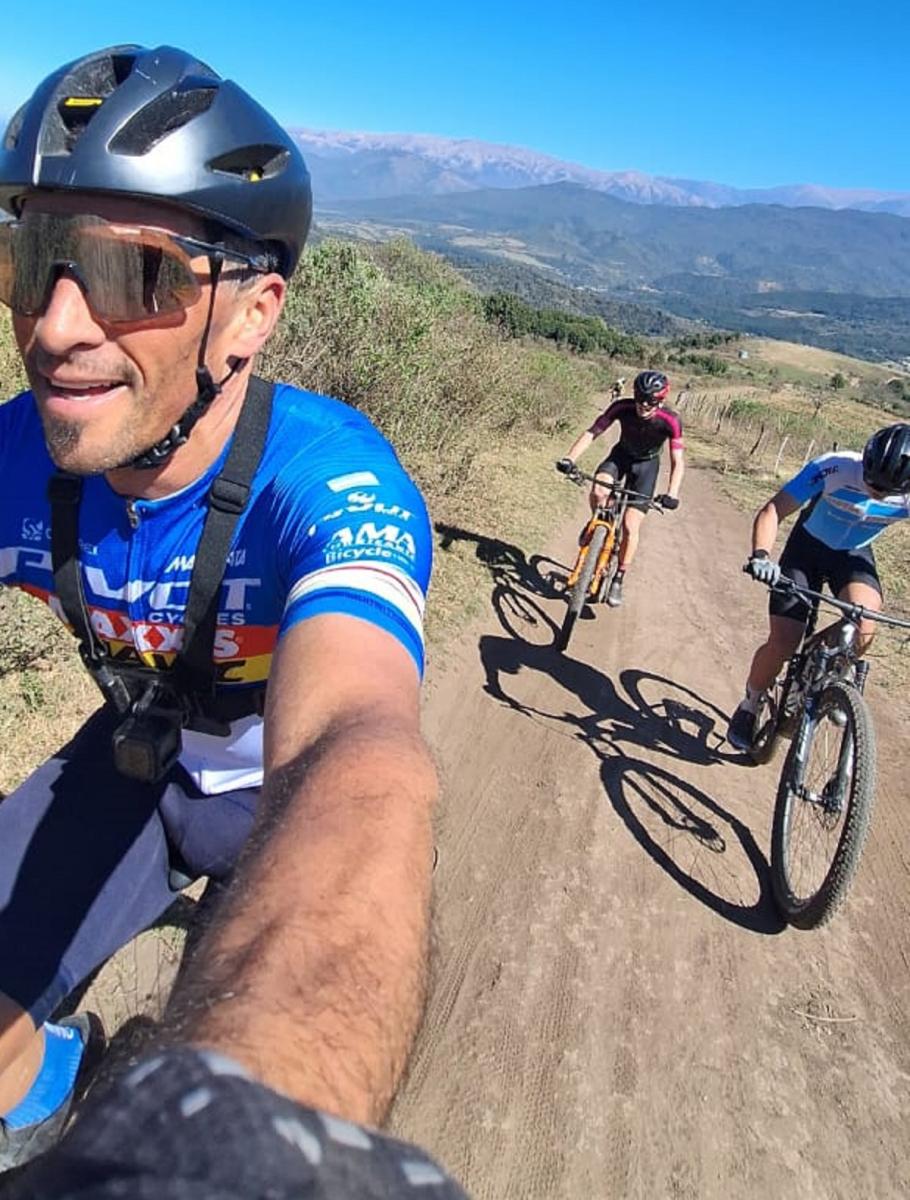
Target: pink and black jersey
[641, 437]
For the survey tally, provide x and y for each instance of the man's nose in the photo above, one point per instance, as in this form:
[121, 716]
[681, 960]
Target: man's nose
[67, 321]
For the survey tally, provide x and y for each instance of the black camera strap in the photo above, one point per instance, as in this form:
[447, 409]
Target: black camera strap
[193, 674]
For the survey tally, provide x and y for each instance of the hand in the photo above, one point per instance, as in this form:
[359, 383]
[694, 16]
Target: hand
[763, 568]
[565, 466]
[668, 502]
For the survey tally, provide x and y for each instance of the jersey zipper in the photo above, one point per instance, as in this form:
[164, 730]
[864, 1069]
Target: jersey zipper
[132, 514]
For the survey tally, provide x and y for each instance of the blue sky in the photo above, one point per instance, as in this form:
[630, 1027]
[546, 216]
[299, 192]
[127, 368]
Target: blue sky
[750, 93]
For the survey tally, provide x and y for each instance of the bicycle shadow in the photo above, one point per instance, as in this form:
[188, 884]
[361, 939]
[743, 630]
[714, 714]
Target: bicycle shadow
[518, 582]
[688, 833]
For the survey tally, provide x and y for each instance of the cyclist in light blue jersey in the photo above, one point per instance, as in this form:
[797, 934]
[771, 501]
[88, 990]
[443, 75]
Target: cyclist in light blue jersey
[244, 566]
[847, 500]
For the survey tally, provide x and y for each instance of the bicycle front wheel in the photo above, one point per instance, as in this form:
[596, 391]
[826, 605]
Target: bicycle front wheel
[823, 808]
[578, 596]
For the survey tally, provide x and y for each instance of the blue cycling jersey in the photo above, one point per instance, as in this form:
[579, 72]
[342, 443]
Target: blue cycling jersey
[843, 515]
[334, 525]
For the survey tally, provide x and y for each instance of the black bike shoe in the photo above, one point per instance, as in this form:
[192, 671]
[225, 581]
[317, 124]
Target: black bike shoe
[614, 595]
[19, 1146]
[741, 729]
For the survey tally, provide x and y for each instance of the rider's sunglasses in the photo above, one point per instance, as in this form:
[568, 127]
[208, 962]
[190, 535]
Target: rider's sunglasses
[650, 402]
[127, 272]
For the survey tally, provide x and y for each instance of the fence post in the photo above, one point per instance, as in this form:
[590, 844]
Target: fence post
[808, 453]
[758, 441]
[780, 453]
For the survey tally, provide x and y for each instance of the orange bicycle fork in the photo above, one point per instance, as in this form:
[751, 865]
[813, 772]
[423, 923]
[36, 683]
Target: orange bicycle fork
[609, 524]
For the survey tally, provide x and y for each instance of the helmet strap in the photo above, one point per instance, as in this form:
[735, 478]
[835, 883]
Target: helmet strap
[206, 389]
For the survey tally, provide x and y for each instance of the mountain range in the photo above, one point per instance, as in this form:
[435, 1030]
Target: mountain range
[359, 166]
[834, 273]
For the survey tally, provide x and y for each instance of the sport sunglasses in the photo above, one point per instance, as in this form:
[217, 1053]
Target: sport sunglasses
[128, 273]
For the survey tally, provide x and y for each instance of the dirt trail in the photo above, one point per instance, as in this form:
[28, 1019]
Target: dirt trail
[617, 1010]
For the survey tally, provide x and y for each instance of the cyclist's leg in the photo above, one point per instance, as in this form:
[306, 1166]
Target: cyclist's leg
[787, 616]
[641, 476]
[853, 576]
[608, 472]
[84, 866]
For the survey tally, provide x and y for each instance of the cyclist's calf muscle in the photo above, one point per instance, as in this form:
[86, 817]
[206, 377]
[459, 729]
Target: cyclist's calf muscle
[783, 641]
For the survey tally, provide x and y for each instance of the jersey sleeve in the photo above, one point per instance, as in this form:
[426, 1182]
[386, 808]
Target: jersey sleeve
[676, 430]
[363, 548]
[606, 419]
[810, 481]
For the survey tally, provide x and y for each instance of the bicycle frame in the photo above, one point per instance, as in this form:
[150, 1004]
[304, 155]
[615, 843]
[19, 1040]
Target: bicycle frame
[610, 516]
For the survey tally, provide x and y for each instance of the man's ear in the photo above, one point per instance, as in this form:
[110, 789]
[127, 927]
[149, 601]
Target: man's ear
[258, 307]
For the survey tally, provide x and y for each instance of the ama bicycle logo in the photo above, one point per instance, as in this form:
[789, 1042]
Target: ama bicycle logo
[389, 543]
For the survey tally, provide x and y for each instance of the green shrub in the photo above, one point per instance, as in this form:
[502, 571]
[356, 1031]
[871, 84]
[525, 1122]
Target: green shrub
[397, 333]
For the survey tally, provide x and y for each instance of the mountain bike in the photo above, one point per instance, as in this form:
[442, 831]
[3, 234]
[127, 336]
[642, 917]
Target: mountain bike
[827, 784]
[598, 552]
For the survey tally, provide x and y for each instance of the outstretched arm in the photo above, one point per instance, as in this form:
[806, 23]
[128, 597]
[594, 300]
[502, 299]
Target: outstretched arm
[313, 972]
[584, 440]
[677, 470]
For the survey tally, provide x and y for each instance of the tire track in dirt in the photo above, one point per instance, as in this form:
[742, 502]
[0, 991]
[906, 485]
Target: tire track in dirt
[616, 1009]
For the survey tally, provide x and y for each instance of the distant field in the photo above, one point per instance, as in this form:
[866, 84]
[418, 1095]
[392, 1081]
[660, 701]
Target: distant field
[821, 362]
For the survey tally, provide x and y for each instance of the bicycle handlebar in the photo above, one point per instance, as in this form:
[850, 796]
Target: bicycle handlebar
[855, 612]
[580, 477]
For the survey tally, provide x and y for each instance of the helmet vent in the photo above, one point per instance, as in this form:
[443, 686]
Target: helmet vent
[252, 162]
[162, 116]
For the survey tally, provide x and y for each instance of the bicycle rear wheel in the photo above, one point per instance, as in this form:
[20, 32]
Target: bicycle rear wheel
[823, 809]
[578, 596]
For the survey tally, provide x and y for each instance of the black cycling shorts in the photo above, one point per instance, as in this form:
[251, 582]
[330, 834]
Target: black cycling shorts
[639, 474]
[812, 564]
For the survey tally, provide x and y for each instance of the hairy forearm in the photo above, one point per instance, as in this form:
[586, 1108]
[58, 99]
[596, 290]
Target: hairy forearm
[312, 973]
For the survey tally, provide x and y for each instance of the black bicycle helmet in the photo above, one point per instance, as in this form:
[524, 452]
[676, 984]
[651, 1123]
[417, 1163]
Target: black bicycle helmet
[160, 124]
[651, 385]
[886, 459]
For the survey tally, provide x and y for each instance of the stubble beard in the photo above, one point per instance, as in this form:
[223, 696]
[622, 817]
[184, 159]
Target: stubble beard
[65, 441]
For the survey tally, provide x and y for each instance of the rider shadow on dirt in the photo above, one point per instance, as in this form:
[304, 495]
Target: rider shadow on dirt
[687, 832]
[517, 581]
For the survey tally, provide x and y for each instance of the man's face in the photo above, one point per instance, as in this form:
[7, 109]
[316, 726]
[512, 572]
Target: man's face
[107, 391]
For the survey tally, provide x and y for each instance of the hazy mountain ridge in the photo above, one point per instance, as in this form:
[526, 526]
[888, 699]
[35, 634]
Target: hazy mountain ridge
[593, 239]
[348, 165]
[839, 279]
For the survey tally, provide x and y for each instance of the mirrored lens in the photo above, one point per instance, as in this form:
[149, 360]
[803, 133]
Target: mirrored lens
[128, 273]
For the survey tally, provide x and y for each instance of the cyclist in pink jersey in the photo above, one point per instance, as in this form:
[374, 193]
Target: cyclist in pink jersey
[645, 425]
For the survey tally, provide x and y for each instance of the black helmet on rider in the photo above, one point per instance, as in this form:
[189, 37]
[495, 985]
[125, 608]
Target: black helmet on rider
[153, 125]
[161, 125]
[886, 459]
[651, 387]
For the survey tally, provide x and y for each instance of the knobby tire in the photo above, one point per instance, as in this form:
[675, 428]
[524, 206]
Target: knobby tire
[578, 596]
[809, 912]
